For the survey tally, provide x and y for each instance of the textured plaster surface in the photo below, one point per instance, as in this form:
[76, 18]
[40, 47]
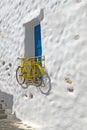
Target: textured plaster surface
[64, 41]
[14, 124]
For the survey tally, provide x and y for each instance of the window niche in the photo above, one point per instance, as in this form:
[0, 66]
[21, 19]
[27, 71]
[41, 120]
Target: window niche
[33, 45]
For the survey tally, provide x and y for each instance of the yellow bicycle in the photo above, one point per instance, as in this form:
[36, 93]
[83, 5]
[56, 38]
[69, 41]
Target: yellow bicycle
[31, 69]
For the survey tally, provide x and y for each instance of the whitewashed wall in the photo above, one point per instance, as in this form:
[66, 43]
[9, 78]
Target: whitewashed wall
[64, 41]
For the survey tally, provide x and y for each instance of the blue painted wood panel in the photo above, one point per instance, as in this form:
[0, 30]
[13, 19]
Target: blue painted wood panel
[37, 39]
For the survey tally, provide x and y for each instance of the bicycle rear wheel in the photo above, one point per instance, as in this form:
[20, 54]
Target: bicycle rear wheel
[37, 77]
[19, 76]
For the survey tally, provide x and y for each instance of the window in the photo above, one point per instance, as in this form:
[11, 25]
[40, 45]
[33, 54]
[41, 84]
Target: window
[37, 40]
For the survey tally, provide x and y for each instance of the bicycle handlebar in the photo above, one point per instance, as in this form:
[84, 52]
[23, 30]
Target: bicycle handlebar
[20, 58]
[23, 59]
[31, 58]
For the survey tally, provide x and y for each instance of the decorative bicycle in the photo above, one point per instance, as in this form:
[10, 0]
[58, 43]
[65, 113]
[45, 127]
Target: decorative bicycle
[32, 71]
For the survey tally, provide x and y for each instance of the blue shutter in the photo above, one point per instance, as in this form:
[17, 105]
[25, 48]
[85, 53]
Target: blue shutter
[37, 39]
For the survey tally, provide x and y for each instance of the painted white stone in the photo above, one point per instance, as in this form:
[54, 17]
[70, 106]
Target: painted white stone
[66, 57]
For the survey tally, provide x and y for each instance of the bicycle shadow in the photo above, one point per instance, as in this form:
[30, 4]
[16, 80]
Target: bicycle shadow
[25, 86]
[45, 87]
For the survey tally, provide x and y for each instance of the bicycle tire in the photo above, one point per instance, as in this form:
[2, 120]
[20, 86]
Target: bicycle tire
[19, 79]
[37, 81]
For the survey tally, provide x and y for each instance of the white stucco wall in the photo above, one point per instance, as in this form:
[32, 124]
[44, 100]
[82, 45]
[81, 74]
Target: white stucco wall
[64, 41]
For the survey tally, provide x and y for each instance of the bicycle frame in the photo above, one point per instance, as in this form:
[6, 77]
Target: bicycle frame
[35, 74]
[32, 63]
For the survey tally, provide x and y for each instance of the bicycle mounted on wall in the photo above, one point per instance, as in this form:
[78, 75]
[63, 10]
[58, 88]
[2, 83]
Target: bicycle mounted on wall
[32, 71]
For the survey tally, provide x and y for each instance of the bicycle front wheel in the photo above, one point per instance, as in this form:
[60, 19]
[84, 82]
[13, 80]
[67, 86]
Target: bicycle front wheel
[37, 76]
[19, 76]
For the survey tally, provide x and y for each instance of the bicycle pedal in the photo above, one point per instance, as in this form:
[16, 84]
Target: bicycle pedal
[24, 72]
[21, 75]
[28, 82]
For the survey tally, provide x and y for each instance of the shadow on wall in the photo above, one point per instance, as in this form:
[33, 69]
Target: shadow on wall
[45, 87]
[6, 100]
